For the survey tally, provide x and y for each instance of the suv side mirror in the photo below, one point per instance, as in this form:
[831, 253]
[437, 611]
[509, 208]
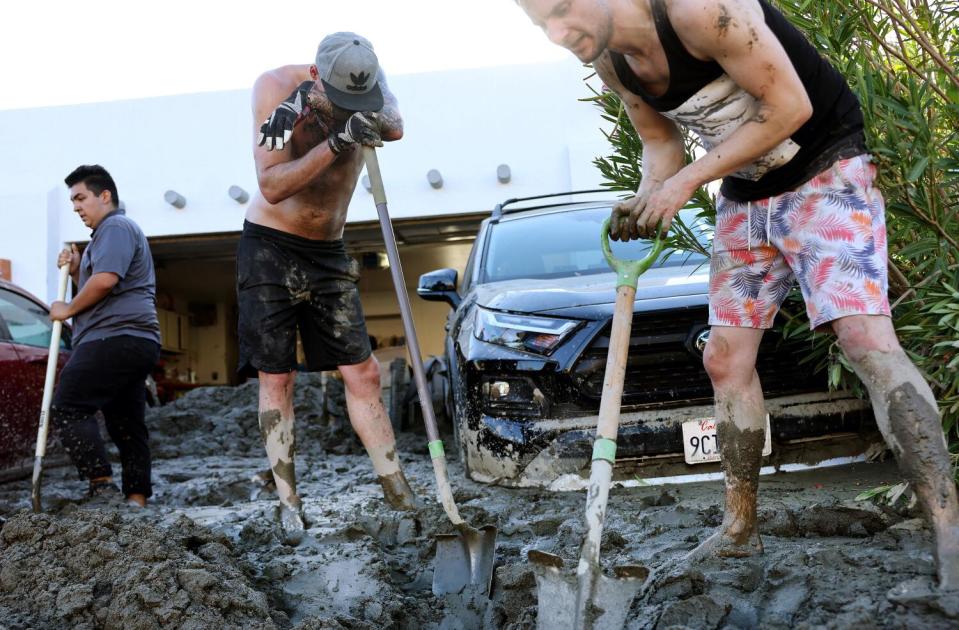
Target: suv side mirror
[439, 286]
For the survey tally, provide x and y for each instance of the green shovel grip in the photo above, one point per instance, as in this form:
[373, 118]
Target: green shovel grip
[629, 271]
[436, 449]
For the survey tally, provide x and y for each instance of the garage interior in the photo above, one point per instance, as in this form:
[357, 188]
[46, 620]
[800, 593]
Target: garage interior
[196, 300]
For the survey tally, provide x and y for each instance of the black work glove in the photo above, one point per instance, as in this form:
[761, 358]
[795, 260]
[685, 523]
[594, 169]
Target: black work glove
[360, 128]
[276, 130]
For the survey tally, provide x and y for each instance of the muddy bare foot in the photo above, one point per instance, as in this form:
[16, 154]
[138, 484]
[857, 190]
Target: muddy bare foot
[292, 522]
[728, 543]
[397, 492]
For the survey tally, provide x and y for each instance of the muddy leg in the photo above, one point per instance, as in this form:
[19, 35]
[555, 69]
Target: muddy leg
[372, 424]
[276, 428]
[730, 359]
[908, 416]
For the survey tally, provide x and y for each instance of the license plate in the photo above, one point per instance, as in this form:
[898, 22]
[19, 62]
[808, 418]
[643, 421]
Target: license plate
[700, 444]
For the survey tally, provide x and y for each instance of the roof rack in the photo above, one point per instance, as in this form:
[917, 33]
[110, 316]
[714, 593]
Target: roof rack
[500, 208]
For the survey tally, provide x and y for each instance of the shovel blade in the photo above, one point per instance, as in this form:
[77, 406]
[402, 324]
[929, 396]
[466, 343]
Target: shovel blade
[464, 559]
[563, 605]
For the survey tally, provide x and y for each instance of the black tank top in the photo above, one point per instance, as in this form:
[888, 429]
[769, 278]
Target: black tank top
[704, 99]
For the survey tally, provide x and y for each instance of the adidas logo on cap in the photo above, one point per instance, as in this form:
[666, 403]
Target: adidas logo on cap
[349, 69]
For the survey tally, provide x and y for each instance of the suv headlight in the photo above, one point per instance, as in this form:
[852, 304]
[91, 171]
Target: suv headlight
[524, 332]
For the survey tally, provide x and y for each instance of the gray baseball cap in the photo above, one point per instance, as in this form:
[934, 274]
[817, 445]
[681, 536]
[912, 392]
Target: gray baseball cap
[349, 70]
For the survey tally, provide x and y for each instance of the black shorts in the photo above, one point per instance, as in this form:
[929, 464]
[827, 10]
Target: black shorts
[286, 282]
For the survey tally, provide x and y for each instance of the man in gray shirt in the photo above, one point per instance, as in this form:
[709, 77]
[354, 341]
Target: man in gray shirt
[116, 338]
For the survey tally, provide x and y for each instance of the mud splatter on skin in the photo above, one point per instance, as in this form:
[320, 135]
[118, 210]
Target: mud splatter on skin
[907, 415]
[742, 451]
[268, 422]
[915, 421]
[742, 457]
[926, 466]
[739, 534]
[770, 74]
[384, 459]
[397, 491]
[286, 471]
[723, 21]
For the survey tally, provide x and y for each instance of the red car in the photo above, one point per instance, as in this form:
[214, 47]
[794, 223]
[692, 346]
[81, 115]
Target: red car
[25, 329]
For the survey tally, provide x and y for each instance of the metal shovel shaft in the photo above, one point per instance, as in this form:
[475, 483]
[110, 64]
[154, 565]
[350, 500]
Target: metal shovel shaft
[461, 559]
[44, 428]
[412, 344]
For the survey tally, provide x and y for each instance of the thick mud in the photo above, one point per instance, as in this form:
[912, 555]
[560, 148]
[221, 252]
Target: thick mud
[206, 553]
[224, 421]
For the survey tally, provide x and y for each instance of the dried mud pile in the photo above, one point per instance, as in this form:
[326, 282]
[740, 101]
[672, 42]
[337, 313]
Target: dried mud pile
[208, 549]
[95, 569]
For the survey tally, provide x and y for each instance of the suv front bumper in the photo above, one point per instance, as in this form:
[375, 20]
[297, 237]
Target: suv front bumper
[806, 428]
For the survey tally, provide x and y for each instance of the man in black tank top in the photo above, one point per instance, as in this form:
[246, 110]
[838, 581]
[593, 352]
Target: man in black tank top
[784, 132]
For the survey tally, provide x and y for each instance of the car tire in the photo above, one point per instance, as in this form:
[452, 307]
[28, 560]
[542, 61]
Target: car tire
[434, 369]
[458, 420]
[399, 382]
[440, 388]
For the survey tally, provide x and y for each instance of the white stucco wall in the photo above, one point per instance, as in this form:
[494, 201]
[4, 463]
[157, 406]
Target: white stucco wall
[463, 122]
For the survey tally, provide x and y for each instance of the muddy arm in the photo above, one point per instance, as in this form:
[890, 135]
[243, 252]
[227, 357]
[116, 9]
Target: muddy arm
[278, 173]
[735, 35]
[663, 150]
[391, 122]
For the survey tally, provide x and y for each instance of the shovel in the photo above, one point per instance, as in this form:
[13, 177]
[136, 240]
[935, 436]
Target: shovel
[590, 599]
[466, 558]
[48, 394]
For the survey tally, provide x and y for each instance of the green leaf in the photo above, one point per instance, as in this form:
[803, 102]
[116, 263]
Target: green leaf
[873, 492]
[918, 168]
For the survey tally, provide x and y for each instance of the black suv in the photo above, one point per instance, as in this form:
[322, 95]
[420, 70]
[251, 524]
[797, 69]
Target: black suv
[526, 350]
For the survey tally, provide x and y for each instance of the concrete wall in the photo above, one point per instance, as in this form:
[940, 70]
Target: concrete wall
[463, 123]
[24, 229]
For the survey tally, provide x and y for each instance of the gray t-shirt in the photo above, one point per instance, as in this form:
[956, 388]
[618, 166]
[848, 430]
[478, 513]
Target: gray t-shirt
[118, 246]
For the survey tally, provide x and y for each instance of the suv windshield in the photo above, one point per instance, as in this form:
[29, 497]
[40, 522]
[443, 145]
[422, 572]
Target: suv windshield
[566, 243]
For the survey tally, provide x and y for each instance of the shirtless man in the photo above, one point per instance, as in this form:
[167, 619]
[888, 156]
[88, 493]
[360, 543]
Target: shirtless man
[293, 273]
[784, 131]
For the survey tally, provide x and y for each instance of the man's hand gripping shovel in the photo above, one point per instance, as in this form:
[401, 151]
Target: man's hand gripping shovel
[590, 599]
[466, 558]
[48, 394]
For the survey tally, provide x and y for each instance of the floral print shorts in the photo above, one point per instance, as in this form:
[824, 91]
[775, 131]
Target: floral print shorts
[829, 234]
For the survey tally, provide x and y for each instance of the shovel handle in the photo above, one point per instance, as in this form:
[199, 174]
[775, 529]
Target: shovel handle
[607, 426]
[52, 355]
[629, 271]
[437, 452]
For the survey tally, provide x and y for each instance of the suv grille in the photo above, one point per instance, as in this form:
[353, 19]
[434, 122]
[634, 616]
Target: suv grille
[665, 367]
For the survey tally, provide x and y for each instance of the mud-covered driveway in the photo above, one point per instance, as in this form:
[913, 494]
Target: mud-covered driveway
[206, 554]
